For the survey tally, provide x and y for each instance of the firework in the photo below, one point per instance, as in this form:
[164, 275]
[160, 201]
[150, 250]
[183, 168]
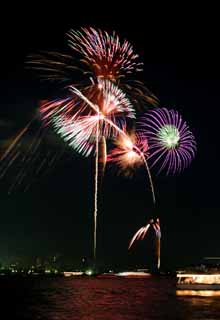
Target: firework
[102, 53]
[84, 124]
[171, 143]
[131, 152]
[76, 122]
[141, 233]
[97, 107]
[26, 156]
[55, 67]
[105, 55]
[157, 229]
[98, 111]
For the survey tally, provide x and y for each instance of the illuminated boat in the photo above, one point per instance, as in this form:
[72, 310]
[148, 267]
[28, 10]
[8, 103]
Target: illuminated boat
[206, 281]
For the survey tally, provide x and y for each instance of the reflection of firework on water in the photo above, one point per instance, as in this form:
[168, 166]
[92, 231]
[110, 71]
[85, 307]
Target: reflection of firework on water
[170, 142]
[77, 122]
[141, 233]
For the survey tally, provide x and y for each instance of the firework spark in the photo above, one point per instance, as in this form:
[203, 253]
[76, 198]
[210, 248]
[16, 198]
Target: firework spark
[77, 122]
[103, 57]
[107, 57]
[171, 143]
[141, 233]
[26, 156]
[55, 67]
[85, 124]
[131, 152]
[96, 109]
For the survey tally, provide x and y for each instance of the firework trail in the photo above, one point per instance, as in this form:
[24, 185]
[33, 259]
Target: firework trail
[157, 230]
[26, 155]
[11, 154]
[141, 233]
[77, 122]
[131, 152]
[54, 67]
[108, 58]
[13, 143]
[102, 156]
[173, 146]
[171, 143]
[105, 58]
[85, 126]
[96, 191]
[96, 109]
[102, 56]
[114, 103]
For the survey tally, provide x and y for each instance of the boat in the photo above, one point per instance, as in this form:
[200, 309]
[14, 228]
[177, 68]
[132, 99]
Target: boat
[198, 281]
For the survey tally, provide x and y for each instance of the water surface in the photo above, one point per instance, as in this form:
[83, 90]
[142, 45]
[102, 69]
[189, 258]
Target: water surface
[103, 299]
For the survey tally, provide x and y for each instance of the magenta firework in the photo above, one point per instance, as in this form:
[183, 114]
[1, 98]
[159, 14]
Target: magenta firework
[102, 56]
[99, 105]
[171, 144]
[76, 119]
[107, 57]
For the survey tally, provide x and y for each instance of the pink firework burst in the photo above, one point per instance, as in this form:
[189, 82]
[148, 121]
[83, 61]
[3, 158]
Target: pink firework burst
[102, 56]
[106, 56]
[76, 118]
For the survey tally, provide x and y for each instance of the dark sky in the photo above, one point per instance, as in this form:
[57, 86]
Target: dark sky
[181, 57]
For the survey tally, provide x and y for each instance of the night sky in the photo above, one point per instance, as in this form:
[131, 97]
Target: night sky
[181, 67]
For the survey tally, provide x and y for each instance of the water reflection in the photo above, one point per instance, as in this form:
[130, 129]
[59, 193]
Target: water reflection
[200, 293]
[117, 298]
